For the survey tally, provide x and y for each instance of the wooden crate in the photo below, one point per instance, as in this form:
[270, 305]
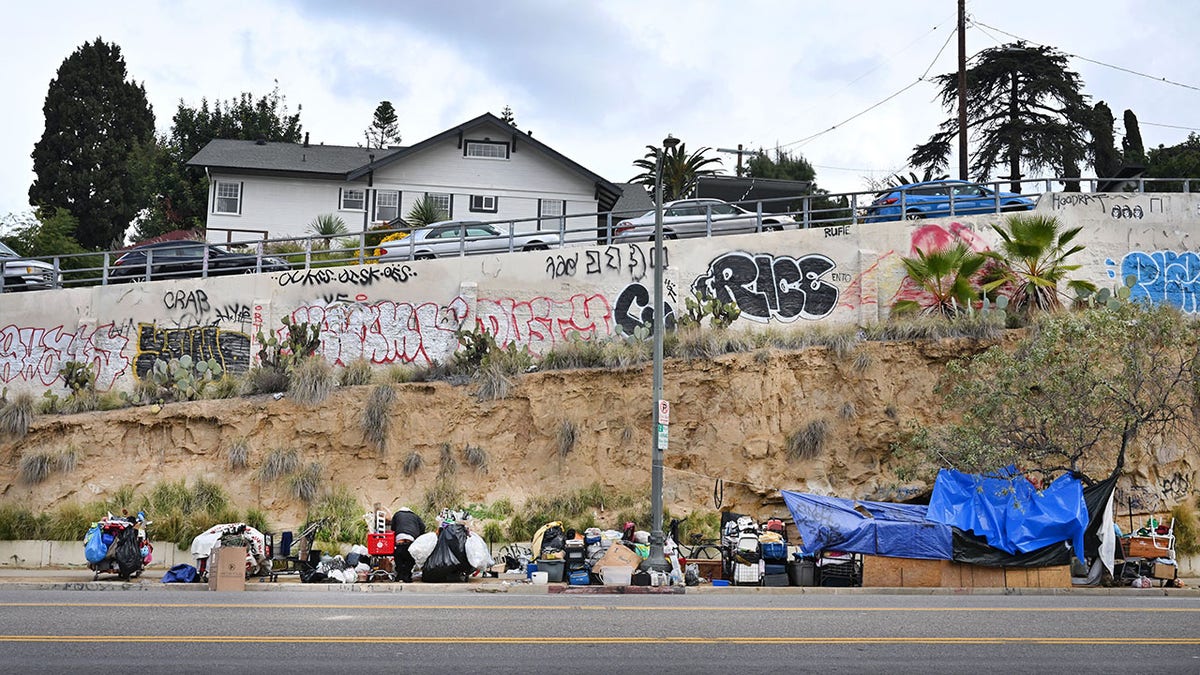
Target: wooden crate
[1146, 547]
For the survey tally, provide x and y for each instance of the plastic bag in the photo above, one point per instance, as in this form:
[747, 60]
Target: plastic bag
[477, 553]
[94, 548]
[448, 561]
[422, 546]
[128, 553]
[553, 540]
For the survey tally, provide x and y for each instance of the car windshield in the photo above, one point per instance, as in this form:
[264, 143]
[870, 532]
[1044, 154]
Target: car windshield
[6, 251]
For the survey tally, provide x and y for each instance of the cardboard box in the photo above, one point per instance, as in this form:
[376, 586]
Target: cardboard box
[1164, 571]
[227, 568]
[618, 556]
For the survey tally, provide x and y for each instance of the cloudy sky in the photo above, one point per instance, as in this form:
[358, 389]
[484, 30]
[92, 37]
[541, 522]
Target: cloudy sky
[599, 80]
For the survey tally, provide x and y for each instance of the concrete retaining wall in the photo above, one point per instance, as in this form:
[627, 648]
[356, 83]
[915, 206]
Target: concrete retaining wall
[408, 312]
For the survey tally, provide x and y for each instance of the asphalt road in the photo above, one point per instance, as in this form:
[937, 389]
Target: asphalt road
[323, 632]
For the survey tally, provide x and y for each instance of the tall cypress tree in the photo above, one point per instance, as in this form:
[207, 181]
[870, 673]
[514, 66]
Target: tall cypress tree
[1135, 152]
[95, 120]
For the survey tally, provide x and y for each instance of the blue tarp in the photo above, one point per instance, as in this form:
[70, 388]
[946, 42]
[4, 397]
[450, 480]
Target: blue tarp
[1009, 512]
[872, 528]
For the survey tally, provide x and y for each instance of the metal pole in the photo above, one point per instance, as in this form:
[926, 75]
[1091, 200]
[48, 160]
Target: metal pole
[657, 561]
[962, 90]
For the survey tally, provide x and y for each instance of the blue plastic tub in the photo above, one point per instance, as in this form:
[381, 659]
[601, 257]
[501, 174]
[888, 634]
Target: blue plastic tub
[720, 582]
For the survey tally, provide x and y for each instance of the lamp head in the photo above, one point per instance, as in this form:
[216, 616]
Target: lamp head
[670, 142]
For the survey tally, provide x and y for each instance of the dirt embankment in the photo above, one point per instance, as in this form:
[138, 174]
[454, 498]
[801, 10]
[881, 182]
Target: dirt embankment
[730, 418]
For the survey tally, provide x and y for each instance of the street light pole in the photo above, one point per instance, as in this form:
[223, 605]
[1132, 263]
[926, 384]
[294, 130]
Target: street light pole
[657, 561]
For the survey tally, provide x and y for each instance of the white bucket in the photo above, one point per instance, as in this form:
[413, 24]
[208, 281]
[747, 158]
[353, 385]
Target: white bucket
[617, 575]
[541, 577]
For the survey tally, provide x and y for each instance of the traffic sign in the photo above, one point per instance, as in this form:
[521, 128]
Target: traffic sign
[664, 412]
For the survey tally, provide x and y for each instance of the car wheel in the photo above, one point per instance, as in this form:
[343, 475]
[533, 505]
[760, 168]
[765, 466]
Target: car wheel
[773, 226]
[536, 247]
[424, 256]
[914, 215]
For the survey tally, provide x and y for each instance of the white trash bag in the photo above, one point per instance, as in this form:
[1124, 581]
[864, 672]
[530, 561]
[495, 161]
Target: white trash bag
[477, 553]
[422, 546]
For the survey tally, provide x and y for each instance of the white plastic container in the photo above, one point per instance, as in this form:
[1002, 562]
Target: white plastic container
[617, 575]
[540, 578]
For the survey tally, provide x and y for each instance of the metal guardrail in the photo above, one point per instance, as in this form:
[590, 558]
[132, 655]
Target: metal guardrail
[313, 251]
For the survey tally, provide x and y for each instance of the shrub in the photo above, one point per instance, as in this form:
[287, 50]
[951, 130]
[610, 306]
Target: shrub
[443, 493]
[305, 484]
[807, 443]
[412, 463]
[377, 416]
[238, 455]
[1186, 529]
[36, 466]
[356, 373]
[568, 432]
[477, 457]
[343, 515]
[16, 415]
[278, 463]
[312, 380]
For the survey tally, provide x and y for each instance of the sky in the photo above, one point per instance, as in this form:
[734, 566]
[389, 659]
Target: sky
[844, 84]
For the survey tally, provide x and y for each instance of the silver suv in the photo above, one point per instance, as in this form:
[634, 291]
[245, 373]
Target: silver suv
[24, 274]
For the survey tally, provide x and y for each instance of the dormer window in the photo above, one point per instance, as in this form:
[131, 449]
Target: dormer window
[485, 149]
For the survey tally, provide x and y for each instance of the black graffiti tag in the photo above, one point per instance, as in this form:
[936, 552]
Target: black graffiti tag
[231, 349]
[635, 308]
[765, 286]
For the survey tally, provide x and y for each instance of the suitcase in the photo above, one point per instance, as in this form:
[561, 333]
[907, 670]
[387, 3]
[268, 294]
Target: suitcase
[381, 544]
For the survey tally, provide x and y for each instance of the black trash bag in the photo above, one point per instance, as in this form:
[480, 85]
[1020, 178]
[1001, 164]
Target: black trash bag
[553, 539]
[127, 552]
[310, 575]
[448, 561]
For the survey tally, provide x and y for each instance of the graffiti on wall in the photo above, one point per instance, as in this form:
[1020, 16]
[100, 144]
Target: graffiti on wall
[635, 307]
[1114, 205]
[358, 276]
[37, 354]
[229, 348]
[1162, 277]
[766, 286]
[631, 260]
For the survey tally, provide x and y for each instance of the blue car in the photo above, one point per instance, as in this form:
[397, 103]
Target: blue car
[940, 198]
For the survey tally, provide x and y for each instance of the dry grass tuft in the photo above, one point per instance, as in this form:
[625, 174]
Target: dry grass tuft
[808, 442]
[377, 416]
[312, 381]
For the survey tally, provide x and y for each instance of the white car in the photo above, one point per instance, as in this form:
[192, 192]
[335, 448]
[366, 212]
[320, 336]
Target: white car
[463, 237]
[21, 274]
[698, 218]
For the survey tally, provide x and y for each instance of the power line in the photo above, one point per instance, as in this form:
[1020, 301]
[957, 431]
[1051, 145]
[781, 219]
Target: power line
[1084, 58]
[852, 117]
[1168, 126]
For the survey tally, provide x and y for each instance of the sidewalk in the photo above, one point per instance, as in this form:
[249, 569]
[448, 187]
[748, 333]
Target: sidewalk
[77, 579]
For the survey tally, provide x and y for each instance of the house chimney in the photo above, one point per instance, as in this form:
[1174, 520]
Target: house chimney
[530, 132]
[306, 139]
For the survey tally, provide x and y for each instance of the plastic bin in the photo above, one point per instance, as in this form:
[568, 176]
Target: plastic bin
[579, 577]
[775, 579]
[552, 568]
[802, 573]
[617, 575]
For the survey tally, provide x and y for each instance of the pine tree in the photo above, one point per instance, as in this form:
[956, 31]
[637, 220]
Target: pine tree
[384, 129]
[95, 120]
[1105, 157]
[1024, 108]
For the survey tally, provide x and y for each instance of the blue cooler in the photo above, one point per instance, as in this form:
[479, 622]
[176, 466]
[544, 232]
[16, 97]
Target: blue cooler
[580, 578]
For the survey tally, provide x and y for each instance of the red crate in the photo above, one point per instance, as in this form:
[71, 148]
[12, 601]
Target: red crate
[381, 544]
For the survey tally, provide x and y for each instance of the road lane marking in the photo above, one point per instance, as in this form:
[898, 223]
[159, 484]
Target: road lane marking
[603, 608]
[539, 639]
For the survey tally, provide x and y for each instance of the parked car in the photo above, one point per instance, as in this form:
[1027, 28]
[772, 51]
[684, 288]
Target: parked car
[177, 259]
[697, 218]
[21, 274]
[942, 198]
[455, 237]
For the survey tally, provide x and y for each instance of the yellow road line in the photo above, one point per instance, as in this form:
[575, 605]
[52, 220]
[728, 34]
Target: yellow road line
[538, 639]
[601, 608]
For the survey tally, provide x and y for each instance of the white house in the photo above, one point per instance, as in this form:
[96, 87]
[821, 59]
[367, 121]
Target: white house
[483, 169]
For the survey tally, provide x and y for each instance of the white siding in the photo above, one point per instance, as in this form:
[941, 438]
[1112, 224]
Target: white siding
[284, 207]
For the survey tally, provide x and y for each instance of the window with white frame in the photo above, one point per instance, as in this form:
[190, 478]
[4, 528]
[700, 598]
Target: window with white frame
[227, 198]
[387, 204]
[354, 199]
[550, 212]
[483, 203]
[485, 150]
[442, 201]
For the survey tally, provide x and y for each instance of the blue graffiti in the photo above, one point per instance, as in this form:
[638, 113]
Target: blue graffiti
[1163, 278]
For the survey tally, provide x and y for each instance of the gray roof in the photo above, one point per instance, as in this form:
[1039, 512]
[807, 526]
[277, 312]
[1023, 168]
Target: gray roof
[634, 200]
[289, 157]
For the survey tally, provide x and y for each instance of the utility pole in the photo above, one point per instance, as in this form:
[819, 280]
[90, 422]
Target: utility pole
[962, 89]
[738, 152]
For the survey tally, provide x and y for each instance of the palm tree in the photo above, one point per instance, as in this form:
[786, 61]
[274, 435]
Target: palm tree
[680, 171]
[327, 226]
[945, 276]
[424, 213]
[1034, 250]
